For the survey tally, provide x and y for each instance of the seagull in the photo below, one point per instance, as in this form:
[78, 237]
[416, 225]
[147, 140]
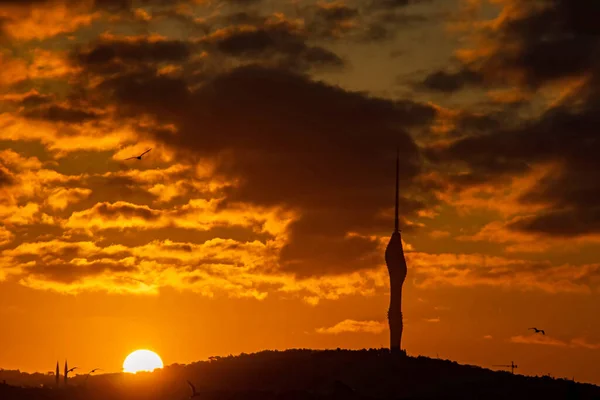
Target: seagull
[538, 330]
[92, 371]
[138, 157]
[193, 388]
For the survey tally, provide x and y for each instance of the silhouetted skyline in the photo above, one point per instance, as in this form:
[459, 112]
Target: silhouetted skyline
[204, 178]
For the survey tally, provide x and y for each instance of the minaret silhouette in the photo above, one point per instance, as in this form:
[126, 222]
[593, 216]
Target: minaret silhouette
[396, 264]
[57, 374]
[66, 372]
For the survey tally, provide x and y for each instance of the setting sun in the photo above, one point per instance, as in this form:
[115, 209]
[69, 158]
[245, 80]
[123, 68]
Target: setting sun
[142, 360]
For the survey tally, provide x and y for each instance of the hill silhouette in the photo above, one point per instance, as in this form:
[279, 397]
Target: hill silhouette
[310, 375]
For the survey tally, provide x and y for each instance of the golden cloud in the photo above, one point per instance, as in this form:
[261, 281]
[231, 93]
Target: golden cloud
[550, 341]
[217, 266]
[60, 198]
[522, 242]
[5, 236]
[97, 135]
[43, 20]
[469, 270]
[353, 326]
[197, 214]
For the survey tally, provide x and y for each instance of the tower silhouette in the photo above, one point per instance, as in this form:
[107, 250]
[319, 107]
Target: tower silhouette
[396, 264]
[66, 372]
[57, 374]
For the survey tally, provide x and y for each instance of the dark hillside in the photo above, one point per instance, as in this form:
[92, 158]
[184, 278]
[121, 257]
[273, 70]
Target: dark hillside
[310, 374]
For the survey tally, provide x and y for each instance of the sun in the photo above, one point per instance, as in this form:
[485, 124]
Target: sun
[142, 360]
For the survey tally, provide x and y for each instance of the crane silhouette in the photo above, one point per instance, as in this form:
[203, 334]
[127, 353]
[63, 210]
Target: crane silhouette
[138, 157]
[512, 366]
[537, 330]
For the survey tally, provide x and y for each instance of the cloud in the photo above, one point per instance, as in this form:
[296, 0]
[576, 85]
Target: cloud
[57, 113]
[28, 20]
[197, 214]
[439, 234]
[449, 82]
[213, 267]
[60, 198]
[277, 41]
[114, 49]
[312, 153]
[526, 242]
[368, 21]
[352, 326]
[488, 337]
[5, 236]
[550, 341]
[470, 270]
[563, 136]
[508, 51]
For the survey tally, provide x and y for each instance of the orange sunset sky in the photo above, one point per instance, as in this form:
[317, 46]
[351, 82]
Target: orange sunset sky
[259, 218]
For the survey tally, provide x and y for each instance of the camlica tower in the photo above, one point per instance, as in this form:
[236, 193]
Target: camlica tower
[396, 264]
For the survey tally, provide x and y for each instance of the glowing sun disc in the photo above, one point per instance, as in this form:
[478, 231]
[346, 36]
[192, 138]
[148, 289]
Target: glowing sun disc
[142, 360]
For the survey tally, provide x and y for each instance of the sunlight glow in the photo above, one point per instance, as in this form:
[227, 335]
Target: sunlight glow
[142, 360]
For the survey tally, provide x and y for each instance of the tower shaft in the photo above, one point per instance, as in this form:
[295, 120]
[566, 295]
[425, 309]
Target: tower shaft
[396, 264]
[395, 320]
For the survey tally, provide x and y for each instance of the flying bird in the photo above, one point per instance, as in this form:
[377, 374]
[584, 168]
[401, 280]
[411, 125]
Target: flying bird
[538, 330]
[91, 372]
[193, 388]
[72, 369]
[138, 157]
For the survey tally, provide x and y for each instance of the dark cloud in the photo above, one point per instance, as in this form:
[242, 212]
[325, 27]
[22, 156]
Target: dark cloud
[393, 4]
[383, 25]
[366, 22]
[243, 18]
[330, 20]
[64, 273]
[139, 50]
[293, 142]
[6, 177]
[539, 46]
[561, 223]
[56, 113]
[565, 135]
[125, 210]
[278, 43]
[449, 82]
[114, 5]
[35, 99]
[22, 2]
[243, 2]
[542, 44]
[336, 12]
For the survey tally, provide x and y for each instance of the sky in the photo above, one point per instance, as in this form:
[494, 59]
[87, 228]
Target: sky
[260, 217]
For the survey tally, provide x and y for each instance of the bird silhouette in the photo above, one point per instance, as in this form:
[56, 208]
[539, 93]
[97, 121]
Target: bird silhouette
[538, 330]
[72, 369]
[193, 388]
[91, 372]
[138, 157]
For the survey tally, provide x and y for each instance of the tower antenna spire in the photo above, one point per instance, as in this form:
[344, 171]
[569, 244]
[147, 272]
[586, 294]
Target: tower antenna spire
[396, 228]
